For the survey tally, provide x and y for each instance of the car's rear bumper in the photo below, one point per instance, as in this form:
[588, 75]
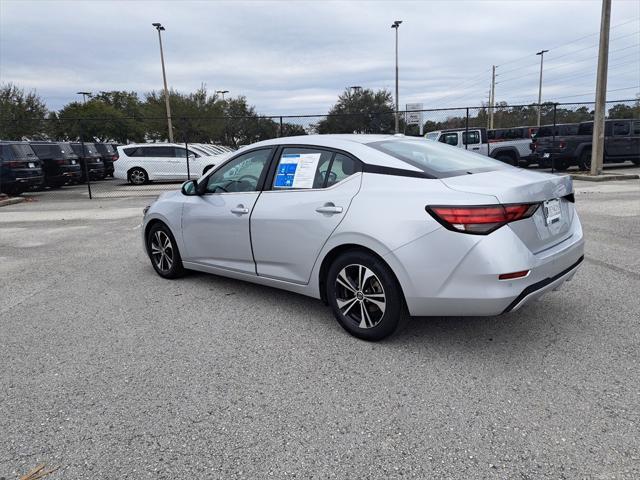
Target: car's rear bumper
[451, 274]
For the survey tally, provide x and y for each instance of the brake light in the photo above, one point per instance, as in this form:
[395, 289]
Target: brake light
[13, 164]
[61, 162]
[480, 219]
[114, 158]
[562, 145]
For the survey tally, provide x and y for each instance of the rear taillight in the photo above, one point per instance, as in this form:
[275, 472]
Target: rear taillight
[562, 145]
[480, 219]
[13, 164]
[61, 162]
[114, 158]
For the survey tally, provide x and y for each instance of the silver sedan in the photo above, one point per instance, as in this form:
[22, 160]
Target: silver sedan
[378, 227]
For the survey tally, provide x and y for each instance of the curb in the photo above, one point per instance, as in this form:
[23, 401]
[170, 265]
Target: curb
[11, 201]
[605, 177]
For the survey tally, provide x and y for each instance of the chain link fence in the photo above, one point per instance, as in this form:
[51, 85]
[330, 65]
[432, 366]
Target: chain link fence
[74, 158]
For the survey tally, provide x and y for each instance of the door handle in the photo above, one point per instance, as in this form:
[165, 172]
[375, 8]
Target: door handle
[475, 148]
[240, 210]
[329, 208]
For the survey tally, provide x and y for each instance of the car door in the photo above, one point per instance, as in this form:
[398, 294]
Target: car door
[635, 140]
[450, 138]
[619, 143]
[309, 193]
[154, 159]
[473, 142]
[215, 225]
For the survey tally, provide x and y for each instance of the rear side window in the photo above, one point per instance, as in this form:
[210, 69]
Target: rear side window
[585, 129]
[133, 151]
[636, 127]
[437, 160]
[621, 128]
[341, 167]
[165, 152]
[301, 168]
[449, 138]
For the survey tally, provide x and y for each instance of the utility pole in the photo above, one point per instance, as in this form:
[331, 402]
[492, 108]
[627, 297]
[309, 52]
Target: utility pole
[492, 96]
[396, 26]
[222, 92]
[84, 96]
[597, 151]
[541, 53]
[160, 29]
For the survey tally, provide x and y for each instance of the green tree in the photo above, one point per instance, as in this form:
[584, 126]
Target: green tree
[94, 120]
[620, 110]
[21, 114]
[364, 111]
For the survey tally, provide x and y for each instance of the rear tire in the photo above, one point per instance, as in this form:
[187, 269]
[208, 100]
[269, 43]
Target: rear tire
[163, 252]
[138, 176]
[365, 295]
[584, 163]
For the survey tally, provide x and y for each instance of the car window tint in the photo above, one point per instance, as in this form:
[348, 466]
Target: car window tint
[341, 168]
[241, 174]
[636, 127]
[164, 152]
[471, 138]
[301, 168]
[621, 128]
[449, 138]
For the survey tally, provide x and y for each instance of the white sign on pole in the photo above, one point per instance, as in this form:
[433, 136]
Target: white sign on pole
[413, 117]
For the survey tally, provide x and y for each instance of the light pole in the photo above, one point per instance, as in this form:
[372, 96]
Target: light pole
[396, 25]
[84, 96]
[356, 88]
[222, 92]
[541, 53]
[160, 29]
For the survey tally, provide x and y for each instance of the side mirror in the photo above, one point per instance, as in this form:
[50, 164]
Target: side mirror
[190, 188]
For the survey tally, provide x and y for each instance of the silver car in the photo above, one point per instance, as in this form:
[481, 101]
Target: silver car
[376, 226]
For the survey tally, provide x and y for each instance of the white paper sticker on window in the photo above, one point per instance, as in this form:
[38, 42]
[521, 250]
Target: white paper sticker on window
[297, 170]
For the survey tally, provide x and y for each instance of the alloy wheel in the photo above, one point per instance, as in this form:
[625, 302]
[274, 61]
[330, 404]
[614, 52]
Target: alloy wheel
[138, 177]
[162, 251]
[360, 296]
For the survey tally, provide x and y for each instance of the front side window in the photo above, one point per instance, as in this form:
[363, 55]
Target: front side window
[242, 174]
[432, 136]
[636, 127]
[472, 137]
[449, 138]
[436, 160]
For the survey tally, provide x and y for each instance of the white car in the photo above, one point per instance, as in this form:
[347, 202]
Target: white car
[142, 163]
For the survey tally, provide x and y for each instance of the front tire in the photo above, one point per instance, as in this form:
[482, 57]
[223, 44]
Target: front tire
[364, 295]
[138, 176]
[163, 252]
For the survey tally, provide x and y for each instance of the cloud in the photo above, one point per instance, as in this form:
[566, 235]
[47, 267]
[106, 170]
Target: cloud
[296, 57]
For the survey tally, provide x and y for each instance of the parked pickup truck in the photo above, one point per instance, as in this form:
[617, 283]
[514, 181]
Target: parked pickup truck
[512, 151]
[621, 143]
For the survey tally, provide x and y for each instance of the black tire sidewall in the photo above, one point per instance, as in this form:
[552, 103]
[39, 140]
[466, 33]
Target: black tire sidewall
[176, 269]
[394, 310]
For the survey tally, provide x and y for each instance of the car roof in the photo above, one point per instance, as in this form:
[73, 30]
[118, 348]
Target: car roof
[355, 144]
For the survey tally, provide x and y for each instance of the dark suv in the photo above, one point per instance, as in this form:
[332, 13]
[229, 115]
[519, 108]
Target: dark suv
[19, 168]
[90, 161]
[109, 155]
[621, 143]
[548, 132]
[59, 163]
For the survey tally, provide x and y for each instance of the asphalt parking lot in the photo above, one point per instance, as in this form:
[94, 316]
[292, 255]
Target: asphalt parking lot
[109, 371]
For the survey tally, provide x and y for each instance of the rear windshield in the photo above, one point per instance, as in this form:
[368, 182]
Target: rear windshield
[48, 151]
[67, 151]
[89, 149]
[105, 148]
[560, 130]
[437, 159]
[22, 151]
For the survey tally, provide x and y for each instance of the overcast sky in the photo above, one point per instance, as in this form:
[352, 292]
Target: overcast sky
[296, 57]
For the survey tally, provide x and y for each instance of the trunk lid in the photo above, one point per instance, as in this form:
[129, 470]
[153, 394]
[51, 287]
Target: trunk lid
[513, 186]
